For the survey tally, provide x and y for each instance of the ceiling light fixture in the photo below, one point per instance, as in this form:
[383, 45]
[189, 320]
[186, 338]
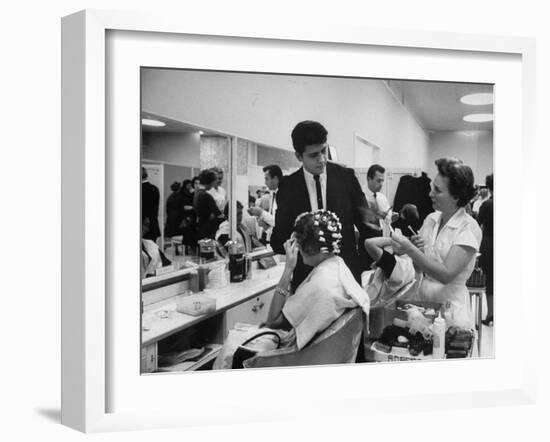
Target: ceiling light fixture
[478, 118]
[151, 122]
[478, 99]
[201, 132]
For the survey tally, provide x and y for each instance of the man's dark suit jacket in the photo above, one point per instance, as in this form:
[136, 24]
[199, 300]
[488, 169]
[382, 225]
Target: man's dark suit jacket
[150, 208]
[344, 197]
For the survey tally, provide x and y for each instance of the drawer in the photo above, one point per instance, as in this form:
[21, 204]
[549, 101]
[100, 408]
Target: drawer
[253, 311]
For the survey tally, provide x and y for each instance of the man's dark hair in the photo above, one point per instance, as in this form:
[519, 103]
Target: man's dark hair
[307, 133]
[461, 179]
[373, 169]
[274, 171]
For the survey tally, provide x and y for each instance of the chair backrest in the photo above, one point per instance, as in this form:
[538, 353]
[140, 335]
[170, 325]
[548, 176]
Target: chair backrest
[337, 344]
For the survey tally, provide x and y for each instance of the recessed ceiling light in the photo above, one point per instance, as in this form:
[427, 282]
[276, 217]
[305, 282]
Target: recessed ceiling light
[478, 118]
[478, 99]
[151, 122]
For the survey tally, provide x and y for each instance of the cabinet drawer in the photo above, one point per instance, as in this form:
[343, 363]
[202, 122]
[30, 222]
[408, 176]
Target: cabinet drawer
[253, 311]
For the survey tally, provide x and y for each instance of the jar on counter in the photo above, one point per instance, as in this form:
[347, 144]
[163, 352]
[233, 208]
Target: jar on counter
[207, 249]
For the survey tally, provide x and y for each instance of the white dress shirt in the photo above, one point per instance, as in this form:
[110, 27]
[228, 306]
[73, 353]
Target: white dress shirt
[310, 184]
[220, 197]
[266, 219]
[383, 206]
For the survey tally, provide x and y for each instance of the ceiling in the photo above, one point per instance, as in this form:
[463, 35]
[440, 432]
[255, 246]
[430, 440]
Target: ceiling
[436, 106]
[174, 126]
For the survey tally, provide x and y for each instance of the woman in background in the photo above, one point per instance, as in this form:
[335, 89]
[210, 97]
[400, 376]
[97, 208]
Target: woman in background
[485, 219]
[174, 210]
[208, 215]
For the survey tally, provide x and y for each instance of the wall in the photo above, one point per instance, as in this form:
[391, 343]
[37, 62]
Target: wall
[265, 108]
[474, 148]
[174, 148]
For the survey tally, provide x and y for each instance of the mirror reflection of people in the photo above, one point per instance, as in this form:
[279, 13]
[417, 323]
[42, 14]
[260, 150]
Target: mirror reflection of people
[266, 209]
[196, 184]
[217, 191]
[208, 214]
[446, 246]
[152, 257]
[319, 184]
[174, 210]
[245, 236]
[150, 197]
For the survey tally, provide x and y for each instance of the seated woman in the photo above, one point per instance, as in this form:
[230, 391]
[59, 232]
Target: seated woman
[328, 290]
[322, 297]
[445, 249]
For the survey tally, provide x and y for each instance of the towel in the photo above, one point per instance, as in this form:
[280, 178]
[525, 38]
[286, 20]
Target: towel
[323, 297]
[383, 291]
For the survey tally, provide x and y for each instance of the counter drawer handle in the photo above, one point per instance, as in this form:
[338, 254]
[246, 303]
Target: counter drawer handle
[257, 307]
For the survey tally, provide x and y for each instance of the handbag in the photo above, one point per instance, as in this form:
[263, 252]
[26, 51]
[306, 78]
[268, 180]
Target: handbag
[242, 353]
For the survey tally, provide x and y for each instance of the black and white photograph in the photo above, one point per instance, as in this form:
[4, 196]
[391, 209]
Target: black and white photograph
[300, 220]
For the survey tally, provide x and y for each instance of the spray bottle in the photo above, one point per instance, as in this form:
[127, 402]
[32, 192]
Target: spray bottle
[439, 328]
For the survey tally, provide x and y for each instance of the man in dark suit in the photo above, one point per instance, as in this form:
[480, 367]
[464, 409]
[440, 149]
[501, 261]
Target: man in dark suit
[319, 184]
[150, 197]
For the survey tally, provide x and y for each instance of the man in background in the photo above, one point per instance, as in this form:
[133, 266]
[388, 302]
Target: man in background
[150, 197]
[265, 211]
[381, 215]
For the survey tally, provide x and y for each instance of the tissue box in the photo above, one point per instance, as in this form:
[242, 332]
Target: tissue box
[196, 305]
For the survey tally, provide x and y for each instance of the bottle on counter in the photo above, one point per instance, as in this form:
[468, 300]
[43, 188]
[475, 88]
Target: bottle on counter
[439, 328]
[237, 263]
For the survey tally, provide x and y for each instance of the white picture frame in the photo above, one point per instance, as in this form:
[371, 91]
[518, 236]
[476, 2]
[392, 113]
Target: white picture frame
[87, 169]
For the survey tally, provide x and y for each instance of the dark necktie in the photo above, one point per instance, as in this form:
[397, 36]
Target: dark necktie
[319, 192]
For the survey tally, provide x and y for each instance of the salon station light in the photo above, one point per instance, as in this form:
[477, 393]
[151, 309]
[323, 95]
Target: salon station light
[478, 99]
[478, 118]
[152, 123]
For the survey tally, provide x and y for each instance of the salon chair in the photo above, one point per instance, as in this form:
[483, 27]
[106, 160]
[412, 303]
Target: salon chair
[337, 344]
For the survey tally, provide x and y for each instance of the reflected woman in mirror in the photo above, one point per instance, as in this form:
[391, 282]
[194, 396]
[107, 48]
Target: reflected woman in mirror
[208, 214]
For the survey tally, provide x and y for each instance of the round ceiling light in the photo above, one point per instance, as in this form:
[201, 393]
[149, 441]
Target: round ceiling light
[478, 99]
[478, 118]
[153, 123]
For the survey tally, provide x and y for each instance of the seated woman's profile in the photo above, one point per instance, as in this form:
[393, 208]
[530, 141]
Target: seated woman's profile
[328, 291]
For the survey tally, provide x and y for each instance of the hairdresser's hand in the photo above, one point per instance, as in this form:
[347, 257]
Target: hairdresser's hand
[291, 251]
[418, 241]
[400, 243]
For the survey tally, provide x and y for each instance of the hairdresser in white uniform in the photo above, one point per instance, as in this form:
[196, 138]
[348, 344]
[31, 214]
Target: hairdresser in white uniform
[444, 251]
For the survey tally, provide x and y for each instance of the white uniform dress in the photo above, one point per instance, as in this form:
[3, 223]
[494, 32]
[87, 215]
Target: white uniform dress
[460, 230]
